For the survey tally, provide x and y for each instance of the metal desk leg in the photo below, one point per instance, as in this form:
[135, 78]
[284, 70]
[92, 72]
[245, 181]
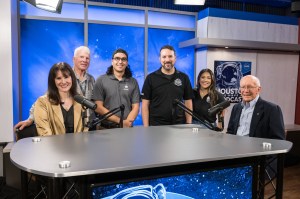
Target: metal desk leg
[83, 187]
[53, 190]
[24, 184]
[261, 178]
[256, 182]
[1, 161]
[279, 180]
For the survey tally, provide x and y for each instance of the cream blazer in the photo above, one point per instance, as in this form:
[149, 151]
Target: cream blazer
[49, 118]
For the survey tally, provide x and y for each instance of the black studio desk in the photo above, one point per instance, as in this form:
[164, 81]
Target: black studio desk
[293, 135]
[128, 154]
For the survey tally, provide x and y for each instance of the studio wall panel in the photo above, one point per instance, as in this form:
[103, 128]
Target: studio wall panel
[171, 19]
[278, 74]
[224, 28]
[111, 14]
[236, 25]
[9, 72]
[276, 71]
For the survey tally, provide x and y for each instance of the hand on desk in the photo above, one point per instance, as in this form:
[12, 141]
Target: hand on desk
[127, 123]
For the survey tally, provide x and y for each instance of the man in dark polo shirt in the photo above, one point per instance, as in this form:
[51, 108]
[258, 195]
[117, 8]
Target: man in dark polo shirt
[160, 90]
[115, 88]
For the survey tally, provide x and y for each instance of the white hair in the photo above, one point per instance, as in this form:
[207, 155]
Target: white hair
[80, 49]
[255, 79]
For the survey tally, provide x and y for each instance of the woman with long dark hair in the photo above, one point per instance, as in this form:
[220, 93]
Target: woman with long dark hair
[56, 112]
[206, 96]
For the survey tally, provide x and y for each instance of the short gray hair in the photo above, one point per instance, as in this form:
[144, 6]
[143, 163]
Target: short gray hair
[81, 48]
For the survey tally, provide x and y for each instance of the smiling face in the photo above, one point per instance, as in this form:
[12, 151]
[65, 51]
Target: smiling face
[81, 60]
[249, 88]
[119, 62]
[167, 59]
[63, 82]
[205, 80]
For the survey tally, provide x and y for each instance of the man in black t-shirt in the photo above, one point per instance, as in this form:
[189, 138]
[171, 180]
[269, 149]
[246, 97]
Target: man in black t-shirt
[160, 90]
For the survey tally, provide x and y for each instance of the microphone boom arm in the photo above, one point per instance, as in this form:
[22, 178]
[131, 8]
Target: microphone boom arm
[190, 112]
[109, 114]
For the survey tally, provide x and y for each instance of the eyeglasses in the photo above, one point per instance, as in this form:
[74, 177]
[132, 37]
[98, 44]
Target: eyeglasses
[247, 87]
[123, 59]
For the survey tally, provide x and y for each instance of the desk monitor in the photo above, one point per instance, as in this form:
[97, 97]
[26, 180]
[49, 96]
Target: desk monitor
[233, 182]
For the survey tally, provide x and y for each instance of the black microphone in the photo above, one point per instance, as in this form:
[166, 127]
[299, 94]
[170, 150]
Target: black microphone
[85, 102]
[218, 108]
[181, 105]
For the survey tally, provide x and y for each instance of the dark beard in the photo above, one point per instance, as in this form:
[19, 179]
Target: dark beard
[164, 66]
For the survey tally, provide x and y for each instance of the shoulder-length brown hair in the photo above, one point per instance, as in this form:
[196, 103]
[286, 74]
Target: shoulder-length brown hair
[52, 93]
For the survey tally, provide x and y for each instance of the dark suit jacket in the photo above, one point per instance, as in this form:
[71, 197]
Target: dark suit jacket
[266, 122]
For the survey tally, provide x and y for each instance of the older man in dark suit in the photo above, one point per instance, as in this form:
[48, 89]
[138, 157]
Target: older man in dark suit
[255, 117]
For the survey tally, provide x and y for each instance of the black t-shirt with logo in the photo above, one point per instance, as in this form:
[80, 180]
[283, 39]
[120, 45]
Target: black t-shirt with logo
[162, 90]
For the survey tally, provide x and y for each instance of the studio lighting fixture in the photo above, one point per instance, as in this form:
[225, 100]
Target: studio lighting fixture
[48, 5]
[190, 2]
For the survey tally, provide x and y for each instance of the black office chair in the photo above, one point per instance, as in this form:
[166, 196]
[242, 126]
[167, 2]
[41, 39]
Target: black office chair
[29, 131]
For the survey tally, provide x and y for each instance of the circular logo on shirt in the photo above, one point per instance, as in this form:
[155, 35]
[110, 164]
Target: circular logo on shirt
[178, 82]
[126, 88]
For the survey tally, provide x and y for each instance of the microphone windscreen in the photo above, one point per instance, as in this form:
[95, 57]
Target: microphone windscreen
[87, 103]
[224, 104]
[78, 98]
[217, 108]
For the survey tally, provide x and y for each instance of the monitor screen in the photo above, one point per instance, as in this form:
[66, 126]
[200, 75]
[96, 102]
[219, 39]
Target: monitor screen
[221, 183]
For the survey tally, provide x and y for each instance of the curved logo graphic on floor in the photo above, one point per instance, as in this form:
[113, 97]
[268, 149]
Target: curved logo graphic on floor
[147, 191]
[204, 184]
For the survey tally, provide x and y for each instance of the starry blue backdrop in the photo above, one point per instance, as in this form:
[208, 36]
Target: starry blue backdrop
[215, 184]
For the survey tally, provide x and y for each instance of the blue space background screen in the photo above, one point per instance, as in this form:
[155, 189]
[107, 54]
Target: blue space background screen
[224, 183]
[184, 56]
[105, 39]
[45, 42]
